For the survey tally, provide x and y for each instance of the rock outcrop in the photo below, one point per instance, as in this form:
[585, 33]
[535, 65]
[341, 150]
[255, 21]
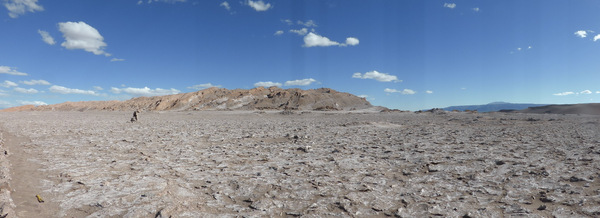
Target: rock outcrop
[272, 98]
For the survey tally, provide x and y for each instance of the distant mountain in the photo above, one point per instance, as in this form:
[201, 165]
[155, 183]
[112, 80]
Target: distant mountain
[593, 109]
[494, 106]
[272, 98]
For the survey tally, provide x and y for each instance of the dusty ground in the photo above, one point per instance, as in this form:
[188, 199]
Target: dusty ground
[199, 164]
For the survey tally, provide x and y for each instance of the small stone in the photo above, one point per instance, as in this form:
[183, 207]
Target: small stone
[542, 207]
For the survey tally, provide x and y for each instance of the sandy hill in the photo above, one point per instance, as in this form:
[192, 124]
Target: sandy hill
[593, 109]
[272, 98]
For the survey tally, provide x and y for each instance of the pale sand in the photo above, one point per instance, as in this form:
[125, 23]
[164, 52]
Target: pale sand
[199, 164]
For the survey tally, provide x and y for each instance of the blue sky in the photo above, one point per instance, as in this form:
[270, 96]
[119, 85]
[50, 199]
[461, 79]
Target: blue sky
[409, 55]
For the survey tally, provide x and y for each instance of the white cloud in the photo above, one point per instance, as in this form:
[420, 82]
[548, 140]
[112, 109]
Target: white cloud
[203, 86]
[65, 90]
[36, 103]
[404, 92]
[226, 5]
[312, 40]
[309, 23]
[116, 59]
[429, 92]
[381, 77]
[8, 84]
[19, 7]
[287, 21]
[352, 41]
[26, 91]
[35, 82]
[597, 92]
[476, 9]
[597, 37]
[301, 32]
[80, 35]
[11, 71]
[266, 84]
[564, 93]
[450, 5]
[278, 32]
[46, 37]
[581, 34]
[587, 92]
[300, 82]
[259, 5]
[98, 88]
[140, 2]
[144, 91]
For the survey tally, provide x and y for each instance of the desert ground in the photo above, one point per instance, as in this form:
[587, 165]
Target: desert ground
[310, 164]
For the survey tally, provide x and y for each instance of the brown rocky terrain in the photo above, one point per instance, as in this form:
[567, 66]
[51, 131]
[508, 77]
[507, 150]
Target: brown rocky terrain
[260, 98]
[593, 109]
[310, 164]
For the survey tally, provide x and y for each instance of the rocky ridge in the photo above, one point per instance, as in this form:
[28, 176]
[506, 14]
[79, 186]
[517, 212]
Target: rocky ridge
[272, 98]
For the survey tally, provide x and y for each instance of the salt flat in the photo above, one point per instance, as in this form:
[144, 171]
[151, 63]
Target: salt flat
[313, 164]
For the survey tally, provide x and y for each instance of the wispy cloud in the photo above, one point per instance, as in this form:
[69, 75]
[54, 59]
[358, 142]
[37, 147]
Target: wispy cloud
[476, 9]
[300, 82]
[259, 5]
[450, 5]
[116, 59]
[225, 5]
[11, 71]
[278, 32]
[309, 23]
[36, 103]
[8, 84]
[203, 86]
[267, 84]
[80, 35]
[65, 90]
[35, 82]
[404, 92]
[381, 77]
[144, 91]
[564, 93]
[26, 91]
[584, 92]
[46, 37]
[429, 92]
[19, 7]
[597, 37]
[301, 32]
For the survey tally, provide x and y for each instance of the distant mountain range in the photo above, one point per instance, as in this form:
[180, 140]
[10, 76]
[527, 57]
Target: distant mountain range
[491, 107]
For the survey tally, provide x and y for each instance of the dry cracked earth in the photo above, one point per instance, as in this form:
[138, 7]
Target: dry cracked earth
[310, 164]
